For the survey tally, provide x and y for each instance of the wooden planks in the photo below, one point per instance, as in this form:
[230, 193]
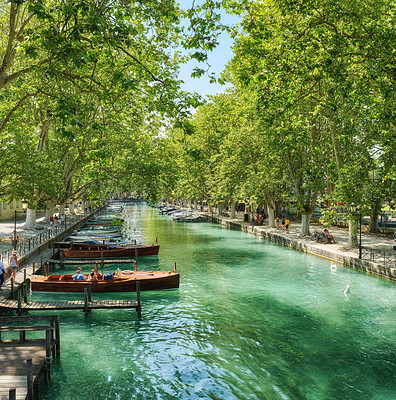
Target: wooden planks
[68, 305]
[13, 356]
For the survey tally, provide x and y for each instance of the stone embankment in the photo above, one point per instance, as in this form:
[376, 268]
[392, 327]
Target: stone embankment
[378, 257]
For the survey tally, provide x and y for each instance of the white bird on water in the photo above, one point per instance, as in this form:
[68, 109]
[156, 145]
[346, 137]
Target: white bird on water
[347, 290]
[333, 266]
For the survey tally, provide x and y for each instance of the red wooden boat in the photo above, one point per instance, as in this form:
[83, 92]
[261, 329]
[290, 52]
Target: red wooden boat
[126, 282]
[95, 251]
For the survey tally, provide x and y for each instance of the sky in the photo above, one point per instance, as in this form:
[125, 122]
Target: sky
[217, 59]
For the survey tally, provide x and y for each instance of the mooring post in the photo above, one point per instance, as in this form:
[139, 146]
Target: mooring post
[57, 335]
[48, 352]
[12, 394]
[101, 258]
[34, 268]
[139, 305]
[29, 374]
[136, 255]
[12, 287]
[86, 301]
[25, 292]
[89, 293]
[19, 311]
[96, 268]
[135, 266]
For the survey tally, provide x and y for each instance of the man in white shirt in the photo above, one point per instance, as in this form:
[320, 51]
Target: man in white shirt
[2, 272]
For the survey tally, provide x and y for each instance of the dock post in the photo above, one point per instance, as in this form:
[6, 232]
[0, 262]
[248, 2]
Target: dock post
[89, 293]
[61, 257]
[57, 336]
[24, 286]
[34, 268]
[41, 261]
[96, 268]
[12, 393]
[86, 301]
[29, 374]
[101, 258]
[12, 287]
[19, 311]
[136, 255]
[139, 305]
[48, 352]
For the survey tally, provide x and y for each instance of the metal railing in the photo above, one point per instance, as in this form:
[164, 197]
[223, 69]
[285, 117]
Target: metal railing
[27, 246]
[384, 258]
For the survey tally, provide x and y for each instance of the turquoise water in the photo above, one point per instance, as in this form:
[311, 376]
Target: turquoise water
[251, 320]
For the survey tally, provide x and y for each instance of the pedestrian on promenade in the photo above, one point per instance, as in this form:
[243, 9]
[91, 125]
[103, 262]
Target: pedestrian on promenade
[2, 272]
[277, 222]
[287, 224]
[14, 263]
[283, 222]
[14, 239]
[63, 219]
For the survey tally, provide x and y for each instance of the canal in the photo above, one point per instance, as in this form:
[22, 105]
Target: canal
[251, 320]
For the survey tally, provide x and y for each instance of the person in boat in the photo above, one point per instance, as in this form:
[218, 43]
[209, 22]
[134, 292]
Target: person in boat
[78, 276]
[93, 276]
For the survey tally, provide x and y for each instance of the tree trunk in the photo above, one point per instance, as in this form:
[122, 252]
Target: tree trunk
[373, 224]
[233, 207]
[72, 211]
[30, 219]
[271, 215]
[195, 204]
[61, 209]
[305, 225]
[48, 212]
[352, 236]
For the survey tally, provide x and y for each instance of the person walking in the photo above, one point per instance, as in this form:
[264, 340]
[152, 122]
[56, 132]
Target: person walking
[283, 222]
[277, 222]
[63, 219]
[2, 272]
[287, 224]
[14, 239]
[14, 264]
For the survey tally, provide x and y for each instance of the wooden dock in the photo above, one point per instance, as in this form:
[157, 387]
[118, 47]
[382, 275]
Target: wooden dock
[24, 361]
[13, 305]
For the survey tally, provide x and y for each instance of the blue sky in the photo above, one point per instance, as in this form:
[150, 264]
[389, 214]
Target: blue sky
[217, 59]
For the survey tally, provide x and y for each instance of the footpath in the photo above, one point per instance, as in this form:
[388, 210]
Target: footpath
[40, 237]
[378, 256]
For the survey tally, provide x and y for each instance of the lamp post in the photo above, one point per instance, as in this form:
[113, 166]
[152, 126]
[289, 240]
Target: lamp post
[354, 211]
[16, 212]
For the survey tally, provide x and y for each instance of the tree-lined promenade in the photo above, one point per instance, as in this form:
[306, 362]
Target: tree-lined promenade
[91, 104]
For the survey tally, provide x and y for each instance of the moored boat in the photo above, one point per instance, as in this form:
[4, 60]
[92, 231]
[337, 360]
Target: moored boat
[80, 250]
[126, 282]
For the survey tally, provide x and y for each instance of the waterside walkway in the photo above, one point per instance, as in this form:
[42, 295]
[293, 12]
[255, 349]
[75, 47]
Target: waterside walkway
[378, 256]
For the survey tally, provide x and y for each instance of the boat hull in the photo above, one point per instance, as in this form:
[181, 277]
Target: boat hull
[96, 251]
[153, 280]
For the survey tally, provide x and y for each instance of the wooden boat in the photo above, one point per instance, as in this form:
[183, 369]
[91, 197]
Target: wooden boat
[81, 250]
[126, 282]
